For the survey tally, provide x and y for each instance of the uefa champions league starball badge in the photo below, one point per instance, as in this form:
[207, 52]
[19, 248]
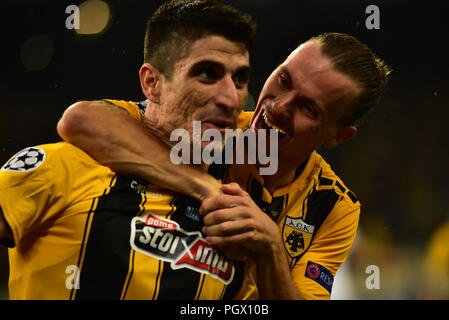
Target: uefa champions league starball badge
[26, 160]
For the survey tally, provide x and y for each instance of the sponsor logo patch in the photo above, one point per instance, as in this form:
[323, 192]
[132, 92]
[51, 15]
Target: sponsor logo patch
[26, 160]
[297, 235]
[320, 274]
[163, 239]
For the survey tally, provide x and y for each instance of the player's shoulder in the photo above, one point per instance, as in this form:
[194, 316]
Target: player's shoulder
[328, 179]
[44, 156]
[61, 150]
[244, 119]
[135, 109]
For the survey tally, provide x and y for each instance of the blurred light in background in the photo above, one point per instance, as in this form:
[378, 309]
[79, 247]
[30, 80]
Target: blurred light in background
[36, 52]
[94, 17]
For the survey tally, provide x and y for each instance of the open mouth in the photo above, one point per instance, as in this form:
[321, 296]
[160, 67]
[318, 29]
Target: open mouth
[263, 121]
[272, 125]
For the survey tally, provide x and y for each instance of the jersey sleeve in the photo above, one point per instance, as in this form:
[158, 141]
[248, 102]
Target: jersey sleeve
[244, 119]
[130, 107]
[315, 271]
[38, 183]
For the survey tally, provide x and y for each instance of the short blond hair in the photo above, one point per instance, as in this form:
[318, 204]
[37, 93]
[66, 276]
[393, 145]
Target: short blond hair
[356, 60]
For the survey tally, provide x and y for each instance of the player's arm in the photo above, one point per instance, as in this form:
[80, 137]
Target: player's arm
[329, 249]
[5, 231]
[116, 140]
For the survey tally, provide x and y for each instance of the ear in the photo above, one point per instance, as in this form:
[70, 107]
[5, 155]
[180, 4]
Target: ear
[150, 82]
[341, 135]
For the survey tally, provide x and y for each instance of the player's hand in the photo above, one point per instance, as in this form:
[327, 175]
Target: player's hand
[234, 222]
[210, 189]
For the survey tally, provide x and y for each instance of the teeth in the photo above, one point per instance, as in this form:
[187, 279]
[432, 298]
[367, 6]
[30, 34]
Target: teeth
[272, 125]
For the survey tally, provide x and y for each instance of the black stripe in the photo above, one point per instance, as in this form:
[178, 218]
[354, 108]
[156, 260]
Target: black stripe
[326, 182]
[182, 283]
[255, 192]
[234, 286]
[276, 207]
[131, 272]
[133, 253]
[300, 169]
[353, 197]
[161, 264]
[319, 205]
[339, 185]
[187, 213]
[106, 261]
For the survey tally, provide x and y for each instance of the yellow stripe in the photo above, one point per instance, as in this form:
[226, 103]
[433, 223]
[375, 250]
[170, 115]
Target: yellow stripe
[306, 201]
[111, 185]
[223, 292]
[129, 275]
[158, 280]
[304, 206]
[200, 287]
[84, 243]
[87, 230]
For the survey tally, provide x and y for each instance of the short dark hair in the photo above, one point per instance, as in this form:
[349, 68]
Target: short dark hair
[356, 60]
[176, 24]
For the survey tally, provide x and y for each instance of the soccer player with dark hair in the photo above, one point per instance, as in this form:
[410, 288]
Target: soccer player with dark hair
[78, 230]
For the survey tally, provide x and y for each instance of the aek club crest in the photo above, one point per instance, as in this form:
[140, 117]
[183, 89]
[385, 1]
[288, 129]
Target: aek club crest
[297, 235]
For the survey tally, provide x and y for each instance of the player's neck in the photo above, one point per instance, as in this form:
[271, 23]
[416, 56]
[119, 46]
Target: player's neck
[287, 172]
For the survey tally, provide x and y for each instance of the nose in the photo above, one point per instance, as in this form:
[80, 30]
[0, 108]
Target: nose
[228, 94]
[282, 106]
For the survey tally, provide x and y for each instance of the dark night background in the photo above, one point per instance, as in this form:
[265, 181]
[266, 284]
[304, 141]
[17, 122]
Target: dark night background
[397, 165]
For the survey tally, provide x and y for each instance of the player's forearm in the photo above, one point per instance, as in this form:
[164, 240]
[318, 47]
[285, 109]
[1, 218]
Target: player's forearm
[160, 171]
[274, 280]
[122, 143]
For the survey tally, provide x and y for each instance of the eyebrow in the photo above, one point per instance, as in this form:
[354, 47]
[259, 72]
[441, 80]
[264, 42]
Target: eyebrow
[215, 64]
[207, 63]
[244, 69]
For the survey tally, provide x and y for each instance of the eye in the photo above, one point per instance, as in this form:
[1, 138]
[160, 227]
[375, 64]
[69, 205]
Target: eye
[207, 71]
[241, 79]
[208, 74]
[284, 80]
[308, 108]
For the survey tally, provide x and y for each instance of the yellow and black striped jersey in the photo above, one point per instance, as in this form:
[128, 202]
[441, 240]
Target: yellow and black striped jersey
[316, 214]
[83, 232]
